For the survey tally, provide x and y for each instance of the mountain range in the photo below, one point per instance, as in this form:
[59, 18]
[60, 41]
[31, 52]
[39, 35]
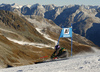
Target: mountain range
[24, 37]
[85, 19]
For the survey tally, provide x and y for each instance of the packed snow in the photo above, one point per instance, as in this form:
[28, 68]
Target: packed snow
[15, 5]
[88, 62]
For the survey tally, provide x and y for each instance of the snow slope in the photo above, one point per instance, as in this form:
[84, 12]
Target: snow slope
[89, 62]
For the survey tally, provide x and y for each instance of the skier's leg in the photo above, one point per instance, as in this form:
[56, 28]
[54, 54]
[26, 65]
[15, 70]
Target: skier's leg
[63, 55]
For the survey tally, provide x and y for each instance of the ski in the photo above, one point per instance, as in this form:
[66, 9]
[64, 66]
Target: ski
[51, 60]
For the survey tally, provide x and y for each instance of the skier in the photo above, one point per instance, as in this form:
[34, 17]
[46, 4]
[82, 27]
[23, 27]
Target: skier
[59, 52]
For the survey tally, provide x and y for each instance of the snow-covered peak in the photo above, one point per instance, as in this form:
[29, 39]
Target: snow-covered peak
[35, 5]
[90, 6]
[27, 6]
[3, 4]
[52, 5]
[15, 5]
[49, 7]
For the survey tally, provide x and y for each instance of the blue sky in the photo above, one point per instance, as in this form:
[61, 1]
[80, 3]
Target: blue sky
[56, 2]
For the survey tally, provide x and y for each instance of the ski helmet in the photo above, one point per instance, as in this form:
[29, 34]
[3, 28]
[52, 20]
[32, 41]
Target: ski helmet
[57, 47]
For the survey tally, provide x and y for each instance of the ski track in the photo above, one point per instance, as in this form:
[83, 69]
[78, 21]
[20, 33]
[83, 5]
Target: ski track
[89, 62]
[46, 36]
[39, 45]
[8, 31]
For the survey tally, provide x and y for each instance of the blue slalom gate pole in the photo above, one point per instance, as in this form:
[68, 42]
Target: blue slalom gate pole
[58, 40]
[71, 42]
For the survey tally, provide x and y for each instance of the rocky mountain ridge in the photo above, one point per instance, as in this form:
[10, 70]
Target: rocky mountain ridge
[84, 18]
